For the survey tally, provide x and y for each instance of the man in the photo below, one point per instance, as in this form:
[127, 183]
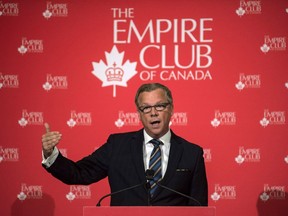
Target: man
[175, 163]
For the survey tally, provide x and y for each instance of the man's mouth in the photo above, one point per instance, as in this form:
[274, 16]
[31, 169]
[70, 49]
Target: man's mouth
[155, 123]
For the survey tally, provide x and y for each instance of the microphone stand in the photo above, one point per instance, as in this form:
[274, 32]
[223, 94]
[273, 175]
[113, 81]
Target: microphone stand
[111, 194]
[148, 186]
[177, 192]
[149, 176]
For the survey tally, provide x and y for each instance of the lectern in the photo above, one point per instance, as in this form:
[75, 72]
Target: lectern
[144, 211]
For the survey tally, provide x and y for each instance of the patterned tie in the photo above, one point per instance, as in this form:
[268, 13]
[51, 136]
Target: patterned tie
[155, 165]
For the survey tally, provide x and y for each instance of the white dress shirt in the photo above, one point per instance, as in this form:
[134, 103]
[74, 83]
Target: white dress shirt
[165, 149]
[47, 162]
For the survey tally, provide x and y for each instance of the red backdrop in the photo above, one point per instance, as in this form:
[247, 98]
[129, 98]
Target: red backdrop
[78, 64]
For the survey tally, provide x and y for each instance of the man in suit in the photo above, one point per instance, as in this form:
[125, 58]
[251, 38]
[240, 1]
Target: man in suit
[176, 163]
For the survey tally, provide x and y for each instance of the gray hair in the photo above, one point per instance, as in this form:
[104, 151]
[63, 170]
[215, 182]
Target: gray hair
[151, 87]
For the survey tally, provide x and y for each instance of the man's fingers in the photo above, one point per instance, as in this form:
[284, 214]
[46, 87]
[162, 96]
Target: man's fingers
[49, 140]
[47, 127]
[51, 136]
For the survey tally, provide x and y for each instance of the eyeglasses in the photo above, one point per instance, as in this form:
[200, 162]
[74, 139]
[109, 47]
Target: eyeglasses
[158, 107]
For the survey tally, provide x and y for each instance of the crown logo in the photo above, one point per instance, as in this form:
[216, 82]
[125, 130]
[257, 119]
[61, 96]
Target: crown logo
[114, 73]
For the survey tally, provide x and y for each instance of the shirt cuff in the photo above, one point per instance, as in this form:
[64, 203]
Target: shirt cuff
[47, 162]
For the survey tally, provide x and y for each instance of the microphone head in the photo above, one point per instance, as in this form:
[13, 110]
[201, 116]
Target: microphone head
[149, 174]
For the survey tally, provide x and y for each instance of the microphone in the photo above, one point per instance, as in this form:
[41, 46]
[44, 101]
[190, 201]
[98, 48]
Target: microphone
[150, 175]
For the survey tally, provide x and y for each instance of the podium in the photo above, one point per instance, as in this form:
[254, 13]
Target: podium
[148, 210]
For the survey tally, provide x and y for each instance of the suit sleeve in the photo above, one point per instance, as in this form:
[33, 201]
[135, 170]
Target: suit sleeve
[88, 170]
[199, 186]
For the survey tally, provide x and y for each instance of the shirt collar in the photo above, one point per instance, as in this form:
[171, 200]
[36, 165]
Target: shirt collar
[165, 138]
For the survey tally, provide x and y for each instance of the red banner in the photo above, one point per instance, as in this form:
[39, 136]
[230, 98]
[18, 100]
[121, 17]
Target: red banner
[77, 65]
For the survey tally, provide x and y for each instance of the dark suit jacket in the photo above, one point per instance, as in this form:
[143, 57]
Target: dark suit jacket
[121, 159]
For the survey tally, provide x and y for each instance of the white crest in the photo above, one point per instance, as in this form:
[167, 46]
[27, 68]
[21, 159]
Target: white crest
[240, 85]
[114, 73]
[239, 159]
[240, 11]
[215, 196]
[70, 196]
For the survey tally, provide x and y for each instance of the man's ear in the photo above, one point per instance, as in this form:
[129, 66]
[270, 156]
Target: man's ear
[139, 114]
[172, 110]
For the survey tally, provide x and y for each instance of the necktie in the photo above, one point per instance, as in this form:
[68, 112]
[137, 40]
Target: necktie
[155, 165]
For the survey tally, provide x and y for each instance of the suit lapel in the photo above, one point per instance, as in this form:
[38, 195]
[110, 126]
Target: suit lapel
[176, 151]
[175, 154]
[137, 154]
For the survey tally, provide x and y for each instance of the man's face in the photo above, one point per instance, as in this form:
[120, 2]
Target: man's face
[156, 123]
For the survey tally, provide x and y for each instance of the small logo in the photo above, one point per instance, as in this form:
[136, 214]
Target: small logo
[215, 122]
[264, 196]
[248, 7]
[70, 196]
[223, 118]
[127, 119]
[264, 122]
[9, 154]
[240, 11]
[30, 192]
[119, 123]
[79, 119]
[78, 192]
[273, 118]
[22, 49]
[21, 196]
[239, 159]
[114, 73]
[248, 155]
[215, 196]
[9, 9]
[55, 82]
[273, 44]
[223, 192]
[31, 118]
[179, 119]
[286, 85]
[275, 192]
[55, 10]
[248, 81]
[265, 48]
[31, 46]
[240, 85]
[9, 81]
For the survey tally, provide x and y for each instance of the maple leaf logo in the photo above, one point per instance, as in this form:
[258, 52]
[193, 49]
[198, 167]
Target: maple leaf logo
[114, 73]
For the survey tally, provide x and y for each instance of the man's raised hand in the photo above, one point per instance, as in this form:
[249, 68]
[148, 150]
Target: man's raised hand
[49, 140]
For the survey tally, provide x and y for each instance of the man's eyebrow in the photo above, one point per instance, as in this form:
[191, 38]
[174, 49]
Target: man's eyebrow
[158, 103]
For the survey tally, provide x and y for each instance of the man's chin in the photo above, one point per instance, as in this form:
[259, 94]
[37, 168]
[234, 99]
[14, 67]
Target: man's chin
[156, 131]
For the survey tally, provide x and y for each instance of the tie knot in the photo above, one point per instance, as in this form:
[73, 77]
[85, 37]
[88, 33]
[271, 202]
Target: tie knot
[156, 142]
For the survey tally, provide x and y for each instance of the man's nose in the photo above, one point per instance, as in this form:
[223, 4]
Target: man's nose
[154, 112]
